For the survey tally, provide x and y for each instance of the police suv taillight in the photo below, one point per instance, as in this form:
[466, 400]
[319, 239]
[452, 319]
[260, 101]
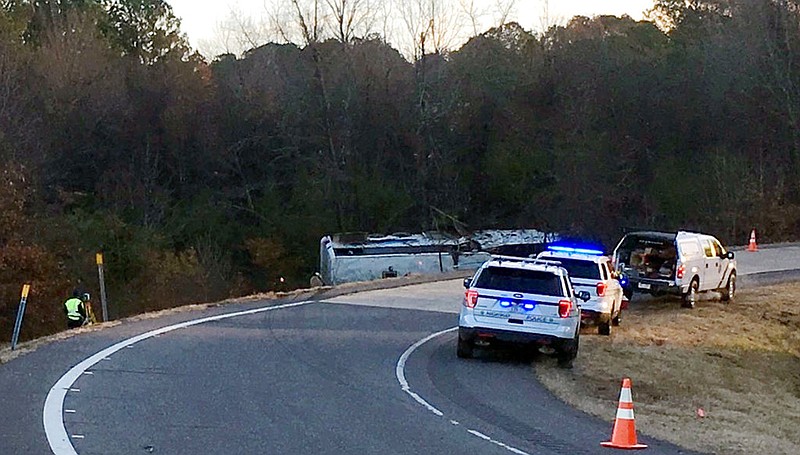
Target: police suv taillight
[601, 289]
[564, 308]
[470, 298]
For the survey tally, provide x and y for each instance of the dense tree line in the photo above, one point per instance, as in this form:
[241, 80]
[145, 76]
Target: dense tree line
[202, 180]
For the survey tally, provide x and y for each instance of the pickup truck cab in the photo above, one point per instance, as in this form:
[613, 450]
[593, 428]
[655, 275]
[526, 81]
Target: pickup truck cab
[681, 263]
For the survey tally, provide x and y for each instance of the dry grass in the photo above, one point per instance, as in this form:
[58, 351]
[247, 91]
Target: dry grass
[738, 362]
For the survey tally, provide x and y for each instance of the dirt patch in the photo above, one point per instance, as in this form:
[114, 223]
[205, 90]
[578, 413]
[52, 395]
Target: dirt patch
[722, 378]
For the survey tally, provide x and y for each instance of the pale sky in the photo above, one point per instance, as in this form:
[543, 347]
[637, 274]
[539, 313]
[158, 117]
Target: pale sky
[200, 19]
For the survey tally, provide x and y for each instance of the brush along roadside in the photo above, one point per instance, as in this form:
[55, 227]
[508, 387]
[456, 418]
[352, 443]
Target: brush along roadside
[723, 378]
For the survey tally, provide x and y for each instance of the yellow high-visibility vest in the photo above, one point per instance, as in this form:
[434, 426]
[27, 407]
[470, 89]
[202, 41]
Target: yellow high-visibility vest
[73, 306]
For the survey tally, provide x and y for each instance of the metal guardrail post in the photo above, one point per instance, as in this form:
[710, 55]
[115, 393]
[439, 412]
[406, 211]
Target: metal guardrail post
[23, 301]
[103, 301]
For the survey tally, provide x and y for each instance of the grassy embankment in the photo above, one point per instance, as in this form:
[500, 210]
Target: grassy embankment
[722, 378]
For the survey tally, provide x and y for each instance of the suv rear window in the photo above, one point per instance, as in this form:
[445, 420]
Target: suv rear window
[578, 268]
[520, 280]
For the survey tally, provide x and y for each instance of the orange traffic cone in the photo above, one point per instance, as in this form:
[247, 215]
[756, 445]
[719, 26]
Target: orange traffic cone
[623, 435]
[752, 246]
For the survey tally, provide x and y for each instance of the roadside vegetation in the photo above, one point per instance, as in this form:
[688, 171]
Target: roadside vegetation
[205, 179]
[723, 378]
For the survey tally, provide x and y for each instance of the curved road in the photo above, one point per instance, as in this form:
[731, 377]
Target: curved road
[366, 373]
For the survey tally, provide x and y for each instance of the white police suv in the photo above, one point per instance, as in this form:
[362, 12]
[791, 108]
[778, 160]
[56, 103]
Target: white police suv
[591, 271]
[524, 301]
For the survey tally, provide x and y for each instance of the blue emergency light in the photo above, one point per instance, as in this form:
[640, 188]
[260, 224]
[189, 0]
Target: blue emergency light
[569, 249]
[527, 306]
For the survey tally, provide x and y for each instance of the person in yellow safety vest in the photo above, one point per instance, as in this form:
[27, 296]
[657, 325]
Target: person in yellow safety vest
[75, 310]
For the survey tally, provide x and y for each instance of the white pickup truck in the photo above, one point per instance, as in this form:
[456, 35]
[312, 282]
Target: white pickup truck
[682, 263]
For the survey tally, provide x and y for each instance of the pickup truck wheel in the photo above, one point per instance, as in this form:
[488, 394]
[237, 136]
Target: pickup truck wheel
[464, 350]
[617, 320]
[604, 328]
[690, 297]
[730, 290]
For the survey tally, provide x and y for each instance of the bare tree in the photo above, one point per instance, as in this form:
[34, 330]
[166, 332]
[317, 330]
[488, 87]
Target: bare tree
[310, 21]
[503, 10]
[546, 20]
[385, 17]
[473, 13]
[350, 17]
[433, 25]
[237, 33]
[297, 21]
[482, 18]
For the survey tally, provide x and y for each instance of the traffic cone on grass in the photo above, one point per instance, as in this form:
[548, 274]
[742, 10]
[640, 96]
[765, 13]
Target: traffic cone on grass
[752, 246]
[623, 436]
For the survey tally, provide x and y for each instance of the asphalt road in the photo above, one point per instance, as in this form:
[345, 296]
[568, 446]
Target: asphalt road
[316, 378]
[768, 259]
[769, 265]
[357, 374]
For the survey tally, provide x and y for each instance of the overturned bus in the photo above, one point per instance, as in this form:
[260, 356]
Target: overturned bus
[353, 257]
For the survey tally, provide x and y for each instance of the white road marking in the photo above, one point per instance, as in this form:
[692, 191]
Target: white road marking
[88, 372]
[401, 374]
[69, 411]
[78, 436]
[479, 434]
[401, 378]
[53, 413]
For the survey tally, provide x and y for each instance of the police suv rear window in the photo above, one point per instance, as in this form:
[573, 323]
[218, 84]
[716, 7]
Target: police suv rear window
[519, 280]
[578, 268]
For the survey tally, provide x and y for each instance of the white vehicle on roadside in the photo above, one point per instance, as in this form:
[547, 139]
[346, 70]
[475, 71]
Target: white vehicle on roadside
[591, 271]
[683, 263]
[523, 301]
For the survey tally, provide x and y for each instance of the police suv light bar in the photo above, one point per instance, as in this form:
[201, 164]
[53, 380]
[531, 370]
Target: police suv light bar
[500, 258]
[567, 249]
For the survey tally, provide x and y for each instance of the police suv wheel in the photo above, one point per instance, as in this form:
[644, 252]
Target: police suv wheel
[568, 351]
[464, 350]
